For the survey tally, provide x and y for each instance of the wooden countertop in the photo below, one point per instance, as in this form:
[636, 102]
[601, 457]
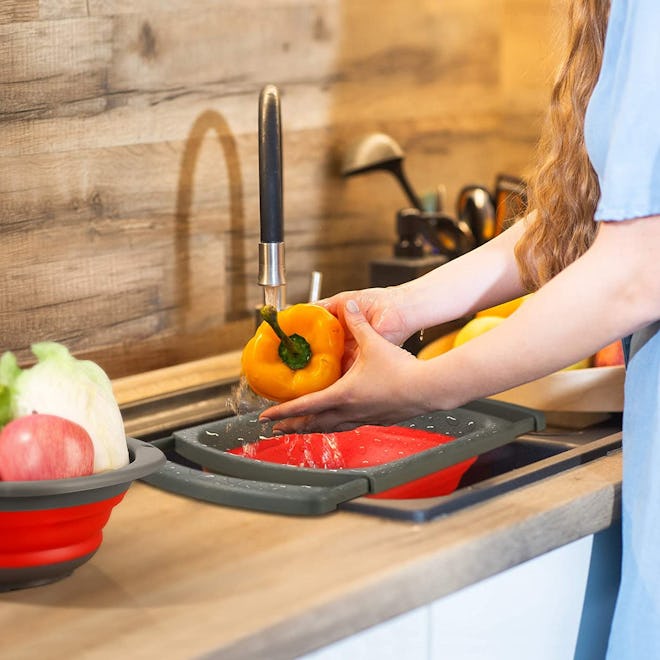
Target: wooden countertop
[177, 578]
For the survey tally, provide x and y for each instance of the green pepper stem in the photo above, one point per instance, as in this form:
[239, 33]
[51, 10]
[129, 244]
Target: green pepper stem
[294, 350]
[269, 314]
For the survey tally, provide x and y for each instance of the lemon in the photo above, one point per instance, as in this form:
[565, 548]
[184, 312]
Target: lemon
[505, 308]
[481, 324]
[476, 327]
[581, 364]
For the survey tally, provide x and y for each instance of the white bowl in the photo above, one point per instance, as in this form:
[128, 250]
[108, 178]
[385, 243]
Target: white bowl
[572, 397]
[597, 389]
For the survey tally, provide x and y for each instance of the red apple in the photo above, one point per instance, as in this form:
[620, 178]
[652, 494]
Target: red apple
[609, 356]
[41, 446]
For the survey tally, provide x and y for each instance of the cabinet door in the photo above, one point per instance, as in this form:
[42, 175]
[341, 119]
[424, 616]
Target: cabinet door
[530, 611]
[405, 636]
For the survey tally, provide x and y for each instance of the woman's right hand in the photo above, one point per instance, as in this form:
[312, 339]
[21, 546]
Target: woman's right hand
[382, 307]
[384, 385]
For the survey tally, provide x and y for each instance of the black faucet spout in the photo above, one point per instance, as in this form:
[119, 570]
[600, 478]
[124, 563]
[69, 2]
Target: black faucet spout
[272, 274]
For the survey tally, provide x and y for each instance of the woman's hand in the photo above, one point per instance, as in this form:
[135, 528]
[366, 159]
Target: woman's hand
[379, 387]
[382, 309]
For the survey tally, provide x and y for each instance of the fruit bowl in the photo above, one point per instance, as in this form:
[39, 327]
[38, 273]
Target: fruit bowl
[51, 527]
[571, 397]
[589, 390]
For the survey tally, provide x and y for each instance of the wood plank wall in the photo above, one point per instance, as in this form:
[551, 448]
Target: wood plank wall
[128, 153]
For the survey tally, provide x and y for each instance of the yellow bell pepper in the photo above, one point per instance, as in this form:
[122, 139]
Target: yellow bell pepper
[293, 352]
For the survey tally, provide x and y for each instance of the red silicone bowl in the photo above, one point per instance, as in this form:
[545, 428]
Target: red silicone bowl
[48, 528]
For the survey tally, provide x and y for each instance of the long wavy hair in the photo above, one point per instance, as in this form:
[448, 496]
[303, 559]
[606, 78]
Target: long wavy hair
[564, 190]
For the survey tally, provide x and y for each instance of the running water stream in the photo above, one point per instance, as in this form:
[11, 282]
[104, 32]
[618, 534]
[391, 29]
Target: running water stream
[243, 400]
[274, 295]
[327, 456]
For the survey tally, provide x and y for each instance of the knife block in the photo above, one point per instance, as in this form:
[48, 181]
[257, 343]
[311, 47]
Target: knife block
[397, 270]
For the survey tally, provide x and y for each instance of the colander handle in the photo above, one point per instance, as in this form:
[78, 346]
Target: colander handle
[251, 494]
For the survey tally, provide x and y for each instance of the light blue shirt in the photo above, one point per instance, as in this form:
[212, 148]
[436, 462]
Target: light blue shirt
[622, 126]
[622, 132]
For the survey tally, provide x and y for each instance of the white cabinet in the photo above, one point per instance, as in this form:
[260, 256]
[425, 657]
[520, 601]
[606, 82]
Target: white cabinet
[554, 607]
[406, 636]
[530, 611]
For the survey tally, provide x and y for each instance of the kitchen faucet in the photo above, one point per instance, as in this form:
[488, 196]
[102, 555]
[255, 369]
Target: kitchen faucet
[272, 273]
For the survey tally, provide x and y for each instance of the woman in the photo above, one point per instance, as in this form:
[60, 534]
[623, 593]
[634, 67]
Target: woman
[594, 282]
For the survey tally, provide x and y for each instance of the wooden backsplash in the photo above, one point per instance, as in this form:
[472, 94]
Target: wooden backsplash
[129, 207]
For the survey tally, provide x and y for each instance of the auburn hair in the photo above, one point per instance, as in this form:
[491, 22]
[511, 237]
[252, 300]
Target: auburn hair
[563, 191]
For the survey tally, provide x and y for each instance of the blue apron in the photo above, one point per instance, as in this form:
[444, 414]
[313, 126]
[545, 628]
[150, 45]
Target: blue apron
[636, 626]
[622, 132]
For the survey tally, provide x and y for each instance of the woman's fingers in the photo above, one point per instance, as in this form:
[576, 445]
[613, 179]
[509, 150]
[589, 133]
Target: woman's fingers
[356, 322]
[322, 422]
[308, 404]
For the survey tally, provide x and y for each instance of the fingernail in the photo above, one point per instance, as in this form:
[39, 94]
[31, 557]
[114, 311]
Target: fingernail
[352, 306]
[265, 420]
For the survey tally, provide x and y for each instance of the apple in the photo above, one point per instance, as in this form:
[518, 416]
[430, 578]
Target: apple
[610, 356]
[40, 446]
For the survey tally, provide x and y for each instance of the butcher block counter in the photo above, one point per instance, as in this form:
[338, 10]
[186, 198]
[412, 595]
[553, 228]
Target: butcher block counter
[180, 578]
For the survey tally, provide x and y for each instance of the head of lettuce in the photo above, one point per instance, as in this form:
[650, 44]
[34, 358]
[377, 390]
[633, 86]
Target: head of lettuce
[78, 390]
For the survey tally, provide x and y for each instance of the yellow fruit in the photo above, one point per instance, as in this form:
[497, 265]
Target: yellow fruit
[504, 309]
[438, 346]
[582, 364]
[476, 327]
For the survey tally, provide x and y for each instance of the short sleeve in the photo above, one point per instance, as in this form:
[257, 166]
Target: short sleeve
[622, 125]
